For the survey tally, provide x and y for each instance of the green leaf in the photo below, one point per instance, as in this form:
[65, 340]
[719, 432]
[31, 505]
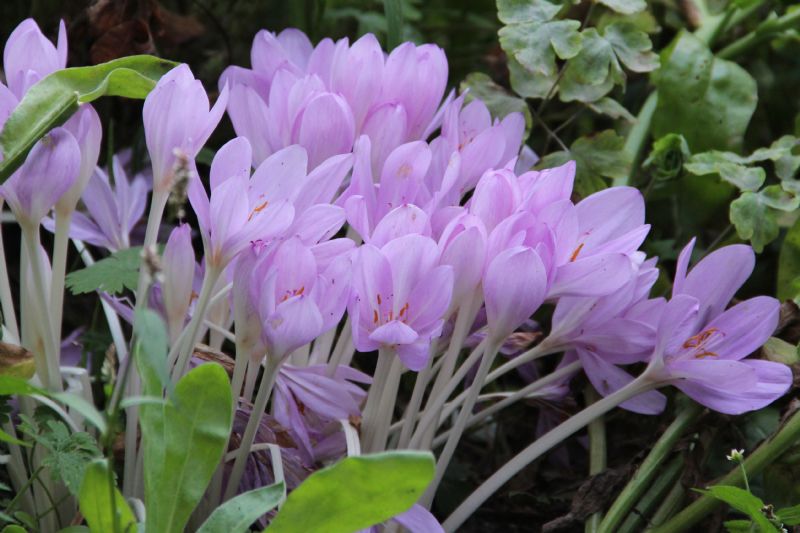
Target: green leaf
[96, 502]
[10, 385]
[742, 501]
[54, 99]
[238, 514]
[150, 352]
[790, 516]
[780, 351]
[499, 102]
[356, 493]
[789, 264]
[184, 442]
[668, 156]
[716, 162]
[87, 410]
[707, 100]
[536, 44]
[738, 526]
[13, 528]
[115, 273]
[631, 46]
[626, 7]
[611, 108]
[528, 84]
[516, 11]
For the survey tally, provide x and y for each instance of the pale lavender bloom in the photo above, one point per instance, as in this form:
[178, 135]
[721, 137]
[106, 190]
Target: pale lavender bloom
[48, 172]
[462, 245]
[88, 132]
[400, 295]
[178, 267]
[241, 209]
[415, 520]
[111, 211]
[29, 56]
[701, 348]
[177, 118]
[307, 400]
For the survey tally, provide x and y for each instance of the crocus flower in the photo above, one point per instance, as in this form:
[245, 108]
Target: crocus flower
[400, 295]
[307, 399]
[48, 172]
[29, 56]
[178, 270]
[111, 211]
[240, 209]
[88, 132]
[701, 348]
[178, 122]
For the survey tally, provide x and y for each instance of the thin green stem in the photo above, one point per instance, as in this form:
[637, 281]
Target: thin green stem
[637, 137]
[597, 453]
[764, 32]
[647, 471]
[669, 504]
[655, 492]
[770, 451]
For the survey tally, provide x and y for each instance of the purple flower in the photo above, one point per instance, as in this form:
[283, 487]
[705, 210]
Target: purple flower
[307, 400]
[48, 172]
[88, 132]
[701, 348]
[177, 118]
[400, 295]
[112, 212]
[178, 268]
[29, 56]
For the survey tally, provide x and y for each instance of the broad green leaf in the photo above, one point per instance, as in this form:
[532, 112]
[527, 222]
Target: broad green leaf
[789, 264]
[184, 442]
[54, 99]
[743, 501]
[707, 100]
[790, 516]
[150, 352]
[593, 72]
[714, 162]
[115, 273]
[516, 11]
[238, 514]
[14, 528]
[668, 156]
[631, 46]
[626, 7]
[10, 385]
[356, 493]
[496, 98]
[528, 84]
[97, 506]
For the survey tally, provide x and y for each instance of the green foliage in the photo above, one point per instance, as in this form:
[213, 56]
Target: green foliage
[668, 156]
[706, 99]
[54, 99]
[789, 264]
[184, 441]
[744, 502]
[238, 514]
[115, 273]
[356, 493]
[600, 156]
[96, 502]
[68, 453]
[150, 352]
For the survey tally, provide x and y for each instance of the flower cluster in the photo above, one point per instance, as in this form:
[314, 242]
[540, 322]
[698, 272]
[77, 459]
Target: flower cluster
[356, 188]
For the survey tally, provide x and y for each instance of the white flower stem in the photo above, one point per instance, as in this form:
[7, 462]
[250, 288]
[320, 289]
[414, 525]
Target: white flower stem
[542, 446]
[195, 324]
[423, 377]
[264, 391]
[386, 407]
[369, 424]
[343, 343]
[6, 298]
[60, 248]
[157, 205]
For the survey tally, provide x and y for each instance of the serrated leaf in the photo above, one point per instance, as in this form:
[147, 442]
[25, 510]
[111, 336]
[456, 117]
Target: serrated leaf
[709, 101]
[238, 514]
[499, 102]
[51, 101]
[112, 275]
[96, 502]
[593, 72]
[715, 162]
[527, 84]
[378, 487]
[755, 220]
[626, 7]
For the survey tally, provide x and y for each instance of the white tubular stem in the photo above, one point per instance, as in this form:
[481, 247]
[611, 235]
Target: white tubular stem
[435, 404]
[16, 470]
[194, 326]
[277, 468]
[386, 407]
[540, 350]
[412, 411]
[322, 347]
[250, 379]
[264, 390]
[216, 328]
[6, 297]
[157, 205]
[350, 438]
[369, 425]
[507, 399]
[60, 248]
[541, 446]
[343, 344]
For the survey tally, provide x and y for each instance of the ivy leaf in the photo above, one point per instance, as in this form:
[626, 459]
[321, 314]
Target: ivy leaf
[527, 84]
[626, 7]
[597, 157]
[668, 156]
[496, 98]
[781, 152]
[113, 274]
[716, 162]
[707, 100]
